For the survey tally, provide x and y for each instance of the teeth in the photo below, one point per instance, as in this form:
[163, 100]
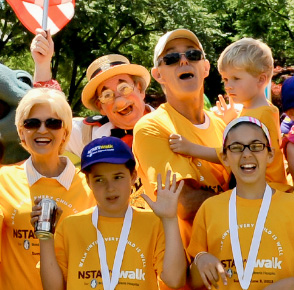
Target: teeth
[126, 110]
[248, 166]
[112, 197]
[186, 76]
[42, 139]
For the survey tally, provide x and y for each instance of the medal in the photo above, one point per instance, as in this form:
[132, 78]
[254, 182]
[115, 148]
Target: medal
[110, 284]
[245, 275]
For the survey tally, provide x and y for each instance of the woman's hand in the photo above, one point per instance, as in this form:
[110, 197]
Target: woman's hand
[37, 210]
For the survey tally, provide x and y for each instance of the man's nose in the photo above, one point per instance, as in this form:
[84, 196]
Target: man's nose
[183, 60]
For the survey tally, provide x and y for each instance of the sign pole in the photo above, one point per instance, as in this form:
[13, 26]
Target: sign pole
[45, 15]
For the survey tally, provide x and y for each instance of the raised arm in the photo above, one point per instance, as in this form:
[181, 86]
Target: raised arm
[42, 49]
[165, 207]
[51, 274]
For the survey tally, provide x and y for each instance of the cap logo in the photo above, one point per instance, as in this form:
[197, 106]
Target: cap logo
[105, 66]
[99, 149]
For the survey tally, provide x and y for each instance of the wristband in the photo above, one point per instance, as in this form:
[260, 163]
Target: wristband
[198, 256]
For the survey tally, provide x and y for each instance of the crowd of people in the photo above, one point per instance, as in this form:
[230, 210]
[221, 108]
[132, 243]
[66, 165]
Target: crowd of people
[176, 197]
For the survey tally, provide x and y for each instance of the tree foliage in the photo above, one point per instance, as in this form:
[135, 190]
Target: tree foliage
[132, 27]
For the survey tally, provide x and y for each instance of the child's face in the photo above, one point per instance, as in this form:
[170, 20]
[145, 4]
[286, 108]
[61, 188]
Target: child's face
[243, 87]
[248, 167]
[111, 185]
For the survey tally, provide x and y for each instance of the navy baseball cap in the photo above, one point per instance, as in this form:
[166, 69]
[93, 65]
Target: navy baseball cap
[106, 150]
[288, 94]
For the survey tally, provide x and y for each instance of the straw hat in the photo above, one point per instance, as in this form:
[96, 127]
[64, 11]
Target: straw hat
[104, 68]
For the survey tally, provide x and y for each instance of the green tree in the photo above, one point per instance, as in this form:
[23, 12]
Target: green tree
[132, 27]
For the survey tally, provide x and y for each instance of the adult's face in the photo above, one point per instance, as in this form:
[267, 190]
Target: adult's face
[127, 106]
[42, 142]
[184, 77]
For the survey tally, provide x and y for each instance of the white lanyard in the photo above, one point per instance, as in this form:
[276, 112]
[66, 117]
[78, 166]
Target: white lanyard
[246, 275]
[110, 284]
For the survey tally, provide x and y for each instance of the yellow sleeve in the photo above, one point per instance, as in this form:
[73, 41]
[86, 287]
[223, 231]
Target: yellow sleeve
[153, 156]
[1, 224]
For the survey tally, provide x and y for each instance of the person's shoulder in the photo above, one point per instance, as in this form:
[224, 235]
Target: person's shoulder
[215, 120]
[271, 108]
[11, 169]
[145, 215]
[79, 173]
[219, 199]
[286, 196]
[263, 113]
[153, 119]
[153, 113]
[78, 218]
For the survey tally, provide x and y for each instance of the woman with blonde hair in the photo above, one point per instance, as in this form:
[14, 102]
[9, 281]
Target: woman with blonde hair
[44, 122]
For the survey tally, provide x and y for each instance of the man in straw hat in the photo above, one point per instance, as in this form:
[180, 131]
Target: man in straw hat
[180, 67]
[115, 89]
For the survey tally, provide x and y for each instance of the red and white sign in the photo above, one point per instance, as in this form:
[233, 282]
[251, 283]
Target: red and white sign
[30, 13]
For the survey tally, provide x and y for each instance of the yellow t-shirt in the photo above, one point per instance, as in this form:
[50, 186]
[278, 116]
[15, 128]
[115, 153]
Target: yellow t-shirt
[20, 248]
[77, 251]
[275, 258]
[153, 154]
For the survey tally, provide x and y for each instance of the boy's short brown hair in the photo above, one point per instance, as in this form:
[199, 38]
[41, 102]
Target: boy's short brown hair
[251, 55]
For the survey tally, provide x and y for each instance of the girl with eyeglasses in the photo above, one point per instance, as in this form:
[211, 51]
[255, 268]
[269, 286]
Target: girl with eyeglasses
[44, 122]
[243, 238]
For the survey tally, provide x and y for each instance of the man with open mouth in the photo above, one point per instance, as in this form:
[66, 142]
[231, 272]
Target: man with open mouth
[180, 67]
[115, 89]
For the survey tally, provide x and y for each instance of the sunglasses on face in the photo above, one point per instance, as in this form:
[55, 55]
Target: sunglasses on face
[34, 123]
[174, 57]
[107, 96]
[253, 147]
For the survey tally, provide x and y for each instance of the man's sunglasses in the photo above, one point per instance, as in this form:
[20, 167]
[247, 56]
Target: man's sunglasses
[34, 123]
[174, 57]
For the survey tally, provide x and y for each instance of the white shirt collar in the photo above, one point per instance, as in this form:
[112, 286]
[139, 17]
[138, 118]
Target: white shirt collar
[65, 178]
[206, 123]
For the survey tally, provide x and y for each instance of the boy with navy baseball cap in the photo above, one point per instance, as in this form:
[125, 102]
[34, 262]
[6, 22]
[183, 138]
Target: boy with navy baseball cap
[114, 244]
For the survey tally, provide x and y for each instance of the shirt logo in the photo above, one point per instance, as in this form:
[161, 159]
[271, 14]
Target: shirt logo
[94, 283]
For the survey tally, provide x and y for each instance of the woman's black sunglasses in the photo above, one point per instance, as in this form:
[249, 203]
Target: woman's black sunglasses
[174, 57]
[34, 123]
